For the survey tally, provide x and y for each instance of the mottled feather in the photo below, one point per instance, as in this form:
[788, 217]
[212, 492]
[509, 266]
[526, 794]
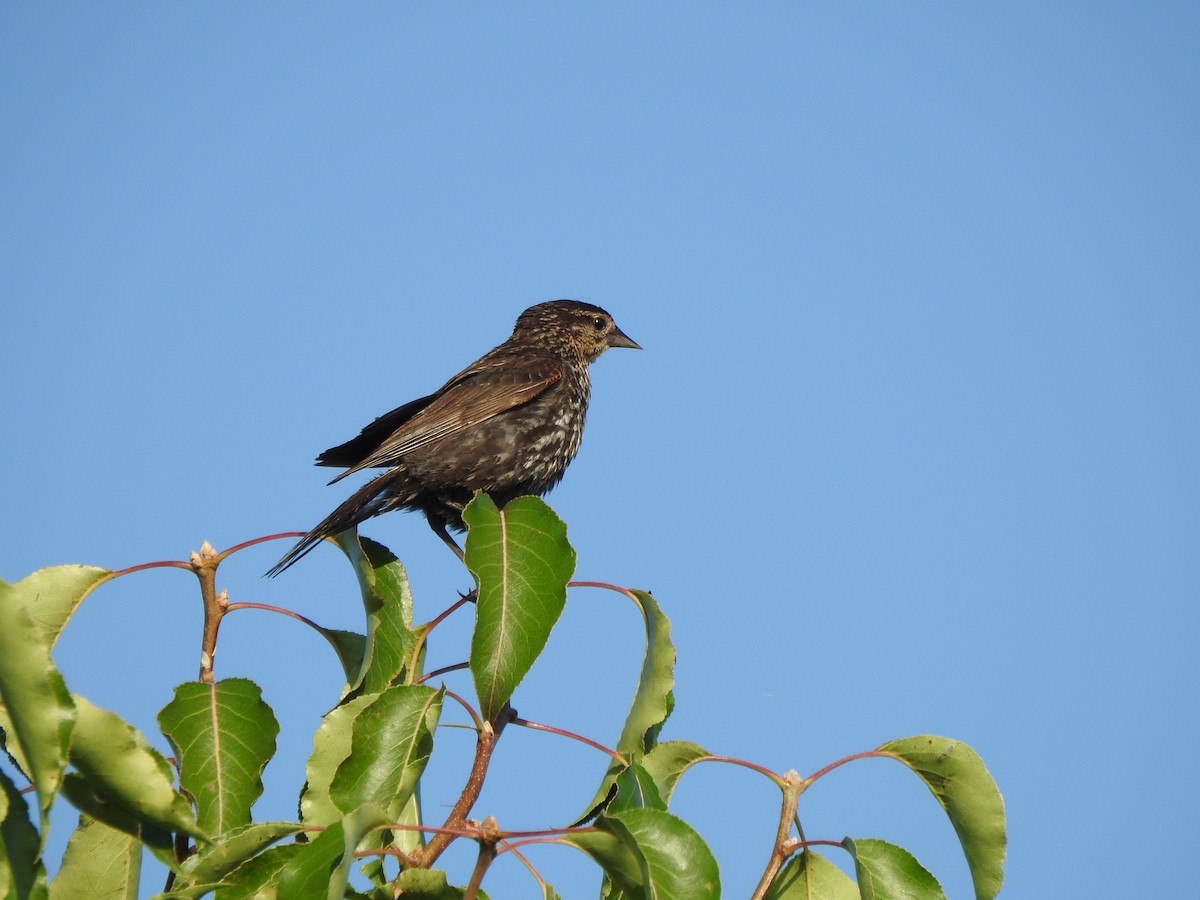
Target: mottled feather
[509, 424]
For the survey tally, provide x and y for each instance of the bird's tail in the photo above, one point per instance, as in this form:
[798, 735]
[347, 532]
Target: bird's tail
[369, 500]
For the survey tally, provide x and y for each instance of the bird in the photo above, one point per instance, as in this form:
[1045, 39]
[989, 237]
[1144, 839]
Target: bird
[509, 424]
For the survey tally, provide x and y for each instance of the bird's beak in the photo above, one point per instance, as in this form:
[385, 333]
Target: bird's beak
[618, 338]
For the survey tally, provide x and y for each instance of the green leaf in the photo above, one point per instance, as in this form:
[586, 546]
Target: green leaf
[635, 790]
[965, 789]
[10, 746]
[653, 700]
[53, 594]
[428, 884]
[521, 562]
[809, 875]
[608, 843]
[357, 829]
[322, 867]
[85, 799]
[223, 735]
[123, 769]
[391, 742]
[405, 839]
[667, 762]
[39, 709]
[257, 877]
[351, 650]
[22, 875]
[387, 600]
[888, 872]
[100, 863]
[653, 854]
[331, 747]
[216, 860]
[192, 892]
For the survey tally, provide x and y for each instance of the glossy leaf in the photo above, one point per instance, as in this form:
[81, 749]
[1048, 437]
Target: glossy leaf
[667, 762]
[123, 769]
[223, 735]
[616, 852]
[387, 601]
[84, 798]
[191, 892]
[651, 853]
[214, 861]
[39, 709]
[10, 746]
[53, 594]
[428, 884]
[810, 876]
[653, 700]
[321, 868]
[636, 789]
[888, 872]
[965, 789]
[100, 863]
[351, 650]
[257, 877]
[392, 738]
[521, 562]
[22, 876]
[331, 747]
[357, 831]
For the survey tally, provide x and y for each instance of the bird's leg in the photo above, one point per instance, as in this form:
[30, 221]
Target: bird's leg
[439, 528]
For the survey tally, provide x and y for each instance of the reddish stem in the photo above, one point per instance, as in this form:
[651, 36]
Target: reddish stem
[841, 762]
[538, 726]
[442, 671]
[741, 762]
[484, 745]
[258, 540]
[162, 564]
[275, 609]
[469, 708]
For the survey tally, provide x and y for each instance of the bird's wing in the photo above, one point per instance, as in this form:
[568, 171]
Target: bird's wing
[467, 400]
[372, 437]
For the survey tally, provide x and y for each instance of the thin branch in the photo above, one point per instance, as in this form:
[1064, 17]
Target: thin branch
[258, 540]
[841, 762]
[505, 847]
[469, 708]
[276, 609]
[792, 788]
[433, 623]
[745, 763]
[424, 631]
[161, 564]
[487, 852]
[485, 743]
[442, 671]
[538, 726]
[204, 564]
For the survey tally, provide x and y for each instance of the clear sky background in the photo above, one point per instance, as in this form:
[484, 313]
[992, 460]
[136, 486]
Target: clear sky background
[912, 446]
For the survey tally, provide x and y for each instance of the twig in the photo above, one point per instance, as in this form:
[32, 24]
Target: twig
[792, 788]
[485, 743]
[204, 564]
[538, 726]
[489, 835]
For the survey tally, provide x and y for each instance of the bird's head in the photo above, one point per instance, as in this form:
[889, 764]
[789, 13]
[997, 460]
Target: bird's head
[571, 327]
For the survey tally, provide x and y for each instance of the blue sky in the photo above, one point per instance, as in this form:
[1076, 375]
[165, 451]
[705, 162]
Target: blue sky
[911, 447]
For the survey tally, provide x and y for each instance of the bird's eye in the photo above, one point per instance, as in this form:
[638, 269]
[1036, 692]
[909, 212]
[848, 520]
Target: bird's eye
[599, 323]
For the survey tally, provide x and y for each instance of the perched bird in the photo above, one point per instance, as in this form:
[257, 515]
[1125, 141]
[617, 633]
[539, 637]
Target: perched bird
[508, 425]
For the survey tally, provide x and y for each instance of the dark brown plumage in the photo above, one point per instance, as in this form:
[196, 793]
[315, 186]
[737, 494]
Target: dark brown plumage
[508, 425]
